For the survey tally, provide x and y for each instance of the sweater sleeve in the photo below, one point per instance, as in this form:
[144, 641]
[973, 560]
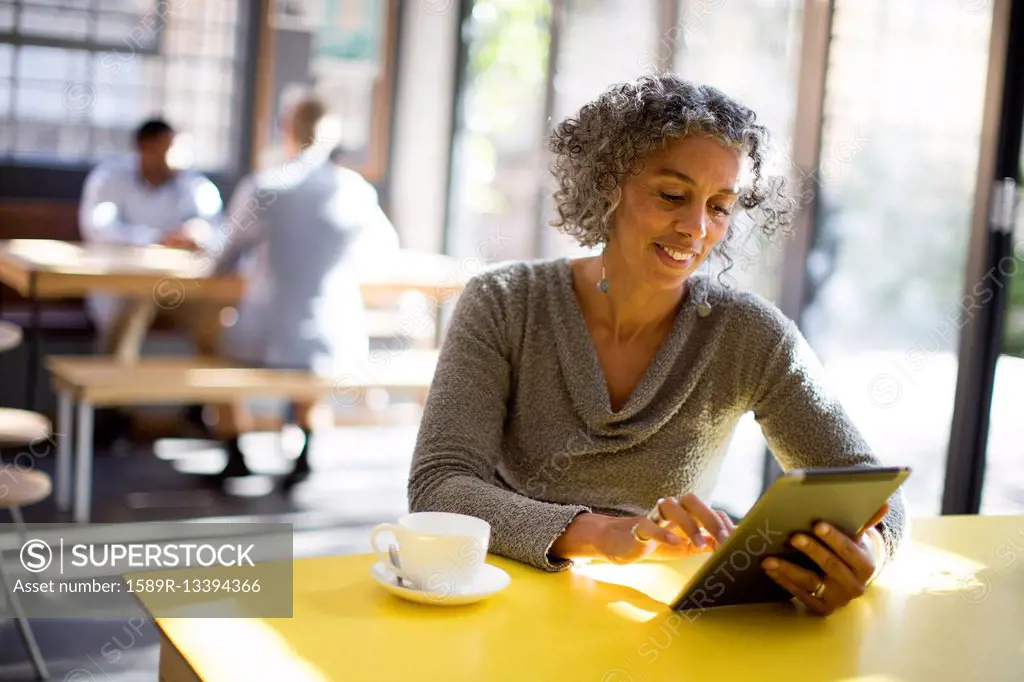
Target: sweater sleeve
[462, 431]
[806, 426]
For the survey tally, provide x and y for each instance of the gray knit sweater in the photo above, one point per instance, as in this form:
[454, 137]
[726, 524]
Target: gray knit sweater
[518, 428]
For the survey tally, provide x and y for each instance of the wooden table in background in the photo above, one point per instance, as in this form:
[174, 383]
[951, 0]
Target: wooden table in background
[40, 269]
[48, 269]
[950, 608]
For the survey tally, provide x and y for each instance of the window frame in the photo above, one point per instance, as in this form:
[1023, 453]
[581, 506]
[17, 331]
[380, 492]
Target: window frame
[62, 179]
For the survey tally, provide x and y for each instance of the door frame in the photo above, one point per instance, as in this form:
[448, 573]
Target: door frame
[983, 306]
[990, 242]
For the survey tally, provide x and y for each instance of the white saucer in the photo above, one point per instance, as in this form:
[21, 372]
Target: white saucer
[489, 581]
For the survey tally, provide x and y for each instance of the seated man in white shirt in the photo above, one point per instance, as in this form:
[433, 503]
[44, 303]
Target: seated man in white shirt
[144, 200]
[305, 227]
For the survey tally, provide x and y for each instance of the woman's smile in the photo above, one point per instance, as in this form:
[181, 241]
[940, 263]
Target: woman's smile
[676, 257]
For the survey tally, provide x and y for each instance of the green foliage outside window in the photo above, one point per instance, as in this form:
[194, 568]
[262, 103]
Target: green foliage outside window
[1013, 339]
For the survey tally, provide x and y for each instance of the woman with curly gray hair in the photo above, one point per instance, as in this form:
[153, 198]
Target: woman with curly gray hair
[583, 406]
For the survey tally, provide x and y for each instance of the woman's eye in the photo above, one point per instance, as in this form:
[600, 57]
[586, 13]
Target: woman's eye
[671, 197]
[721, 210]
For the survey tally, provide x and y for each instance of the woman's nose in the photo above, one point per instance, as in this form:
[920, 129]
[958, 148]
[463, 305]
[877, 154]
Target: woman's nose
[693, 222]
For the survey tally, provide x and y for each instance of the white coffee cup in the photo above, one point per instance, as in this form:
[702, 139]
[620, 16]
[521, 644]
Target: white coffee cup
[437, 551]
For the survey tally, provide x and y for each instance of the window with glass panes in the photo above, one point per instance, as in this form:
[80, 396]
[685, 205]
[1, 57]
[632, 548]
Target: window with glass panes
[78, 76]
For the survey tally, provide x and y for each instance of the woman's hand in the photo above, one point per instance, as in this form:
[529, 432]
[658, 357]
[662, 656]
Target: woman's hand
[703, 528]
[848, 563]
[691, 527]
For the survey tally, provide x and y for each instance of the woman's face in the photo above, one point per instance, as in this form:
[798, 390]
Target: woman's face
[674, 212]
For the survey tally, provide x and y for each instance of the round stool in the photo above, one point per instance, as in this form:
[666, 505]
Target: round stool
[10, 336]
[24, 487]
[21, 427]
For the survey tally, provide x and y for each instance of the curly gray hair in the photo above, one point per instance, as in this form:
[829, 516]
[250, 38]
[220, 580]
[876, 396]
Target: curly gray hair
[609, 137]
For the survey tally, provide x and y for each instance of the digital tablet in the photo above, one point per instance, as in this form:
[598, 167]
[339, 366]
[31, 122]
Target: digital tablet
[847, 498]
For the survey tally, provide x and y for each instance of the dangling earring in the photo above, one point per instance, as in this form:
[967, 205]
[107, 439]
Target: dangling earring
[704, 308]
[602, 284]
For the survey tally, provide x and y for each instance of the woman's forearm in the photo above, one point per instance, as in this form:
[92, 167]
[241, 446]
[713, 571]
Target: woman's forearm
[611, 538]
[580, 538]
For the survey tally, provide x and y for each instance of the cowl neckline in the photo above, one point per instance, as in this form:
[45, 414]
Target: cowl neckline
[652, 401]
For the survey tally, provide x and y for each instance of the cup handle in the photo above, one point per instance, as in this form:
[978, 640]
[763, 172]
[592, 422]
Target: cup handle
[383, 554]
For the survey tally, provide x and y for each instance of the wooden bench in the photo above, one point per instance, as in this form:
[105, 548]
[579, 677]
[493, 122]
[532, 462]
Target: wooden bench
[84, 383]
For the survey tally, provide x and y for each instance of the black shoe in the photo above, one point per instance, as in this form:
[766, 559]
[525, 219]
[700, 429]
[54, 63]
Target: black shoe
[194, 418]
[236, 466]
[301, 471]
[294, 478]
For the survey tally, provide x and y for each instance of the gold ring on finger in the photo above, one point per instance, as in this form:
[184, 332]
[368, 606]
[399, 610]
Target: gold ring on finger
[635, 532]
[656, 516]
[819, 591]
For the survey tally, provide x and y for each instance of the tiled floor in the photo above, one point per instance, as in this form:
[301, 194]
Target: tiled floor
[360, 477]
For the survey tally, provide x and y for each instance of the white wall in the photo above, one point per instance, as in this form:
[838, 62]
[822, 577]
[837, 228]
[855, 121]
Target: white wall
[422, 135]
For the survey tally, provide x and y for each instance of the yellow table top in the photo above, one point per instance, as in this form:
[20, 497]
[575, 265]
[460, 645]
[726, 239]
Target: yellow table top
[951, 608]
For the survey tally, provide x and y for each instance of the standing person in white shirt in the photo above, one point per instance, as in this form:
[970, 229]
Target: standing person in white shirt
[144, 200]
[308, 225]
